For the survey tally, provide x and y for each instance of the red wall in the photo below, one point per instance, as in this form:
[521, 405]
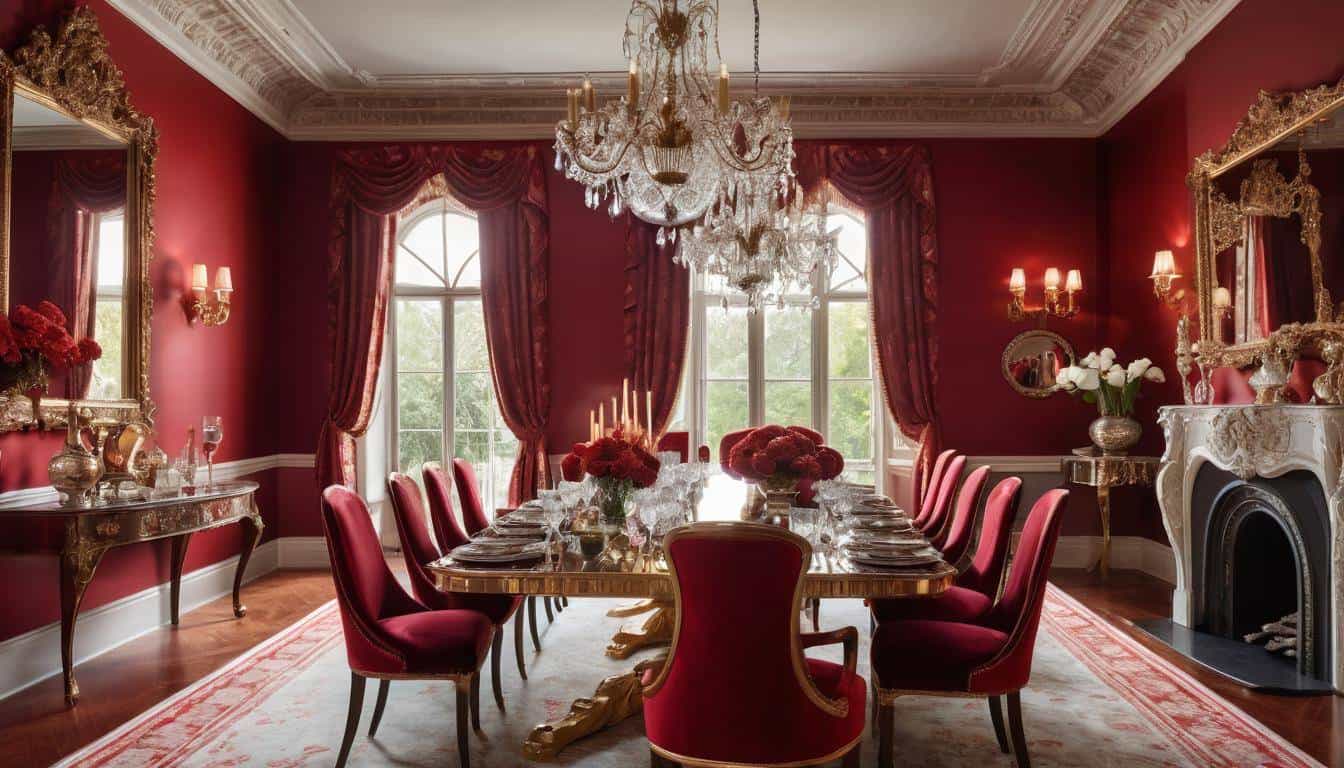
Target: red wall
[1148, 154]
[214, 205]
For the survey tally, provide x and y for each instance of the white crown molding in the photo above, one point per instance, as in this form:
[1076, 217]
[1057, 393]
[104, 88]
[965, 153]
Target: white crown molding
[224, 470]
[1073, 68]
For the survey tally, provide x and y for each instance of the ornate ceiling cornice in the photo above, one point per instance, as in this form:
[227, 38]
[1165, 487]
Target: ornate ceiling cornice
[1072, 68]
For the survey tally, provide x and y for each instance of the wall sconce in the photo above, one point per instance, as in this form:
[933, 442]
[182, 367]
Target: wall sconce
[213, 310]
[1164, 274]
[1017, 286]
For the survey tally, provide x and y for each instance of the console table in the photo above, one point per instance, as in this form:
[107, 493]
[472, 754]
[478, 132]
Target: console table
[1104, 473]
[90, 531]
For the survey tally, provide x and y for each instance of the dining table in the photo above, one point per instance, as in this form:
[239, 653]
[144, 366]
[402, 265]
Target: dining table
[570, 573]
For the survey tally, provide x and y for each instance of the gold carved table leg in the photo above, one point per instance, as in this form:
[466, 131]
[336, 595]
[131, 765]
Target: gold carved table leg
[252, 528]
[1103, 566]
[616, 698]
[633, 609]
[79, 559]
[654, 630]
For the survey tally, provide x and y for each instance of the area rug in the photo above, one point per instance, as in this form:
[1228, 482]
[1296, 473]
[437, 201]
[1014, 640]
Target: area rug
[1097, 698]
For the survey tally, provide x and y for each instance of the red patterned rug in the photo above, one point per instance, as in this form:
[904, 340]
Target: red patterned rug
[1097, 697]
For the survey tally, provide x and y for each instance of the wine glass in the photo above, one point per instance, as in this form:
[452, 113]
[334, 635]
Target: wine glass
[212, 434]
[553, 511]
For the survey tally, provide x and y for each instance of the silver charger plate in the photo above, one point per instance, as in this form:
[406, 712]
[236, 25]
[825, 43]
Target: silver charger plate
[478, 552]
[917, 558]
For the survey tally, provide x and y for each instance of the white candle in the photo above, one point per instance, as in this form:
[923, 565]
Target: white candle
[625, 400]
[648, 412]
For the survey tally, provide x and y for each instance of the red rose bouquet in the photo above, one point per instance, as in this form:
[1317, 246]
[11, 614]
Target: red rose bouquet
[782, 457]
[34, 342]
[617, 465]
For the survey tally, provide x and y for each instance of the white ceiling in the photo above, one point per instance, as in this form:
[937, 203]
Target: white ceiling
[453, 69]
[431, 37]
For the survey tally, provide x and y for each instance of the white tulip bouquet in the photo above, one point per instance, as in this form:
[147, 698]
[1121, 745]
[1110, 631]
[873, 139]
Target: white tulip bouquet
[1104, 382]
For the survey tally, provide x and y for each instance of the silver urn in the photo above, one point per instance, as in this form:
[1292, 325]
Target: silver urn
[1115, 435]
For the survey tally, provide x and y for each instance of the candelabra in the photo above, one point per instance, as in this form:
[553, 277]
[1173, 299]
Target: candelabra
[1053, 306]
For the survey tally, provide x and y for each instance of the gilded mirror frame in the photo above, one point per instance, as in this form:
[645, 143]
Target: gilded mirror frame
[1005, 361]
[1218, 223]
[71, 72]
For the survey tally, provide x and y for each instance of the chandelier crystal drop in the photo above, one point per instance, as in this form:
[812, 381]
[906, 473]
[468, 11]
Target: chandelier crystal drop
[674, 145]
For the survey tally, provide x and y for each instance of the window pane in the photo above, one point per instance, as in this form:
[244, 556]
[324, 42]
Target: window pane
[419, 335]
[415, 448]
[725, 410]
[111, 251]
[853, 245]
[464, 240]
[847, 345]
[851, 417]
[788, 403]
[862, 475]
[469, 348]
[420, 257]
[505, 454]
[726, 343]
[106, 384]
[788, 343]
[473, 403]
[474, 447]
[420, 400]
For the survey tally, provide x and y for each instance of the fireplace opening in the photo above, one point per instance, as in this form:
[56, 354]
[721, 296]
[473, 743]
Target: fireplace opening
[1265, 586]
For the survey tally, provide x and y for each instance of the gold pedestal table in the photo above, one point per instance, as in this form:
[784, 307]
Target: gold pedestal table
[1104, 473]
[620, 696]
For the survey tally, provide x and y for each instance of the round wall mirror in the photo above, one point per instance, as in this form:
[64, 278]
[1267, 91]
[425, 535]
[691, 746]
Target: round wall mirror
[1032, 362]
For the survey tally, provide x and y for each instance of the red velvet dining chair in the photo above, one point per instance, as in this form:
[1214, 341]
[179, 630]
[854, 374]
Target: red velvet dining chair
[388, 635]
[990, 658]
[744, 694]
[940, 510]
[418, 550]
[976, 587]
[955, 538]
[473, 516]
[935, 480]
[676, 441]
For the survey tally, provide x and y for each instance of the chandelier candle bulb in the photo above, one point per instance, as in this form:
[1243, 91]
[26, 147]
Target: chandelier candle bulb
[589, 98]
[723, 88]
[632, 89]
[572, 107]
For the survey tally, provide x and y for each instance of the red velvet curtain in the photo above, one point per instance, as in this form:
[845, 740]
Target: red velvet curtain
[506, 188]
[86, 184]
[657, 319]
[894, 188]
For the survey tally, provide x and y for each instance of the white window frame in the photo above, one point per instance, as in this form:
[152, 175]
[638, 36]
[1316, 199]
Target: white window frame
[695, 380]
[447, 298]
[103, 293]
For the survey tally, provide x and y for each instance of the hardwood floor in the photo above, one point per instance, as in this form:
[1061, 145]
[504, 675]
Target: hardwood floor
[120, 684]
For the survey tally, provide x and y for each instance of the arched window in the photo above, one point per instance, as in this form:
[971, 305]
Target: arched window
[809, 363]
[443, 397]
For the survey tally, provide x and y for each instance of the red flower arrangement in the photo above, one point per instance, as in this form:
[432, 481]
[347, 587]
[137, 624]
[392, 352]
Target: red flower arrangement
[617, 464]
[34, 342]
[782, 456]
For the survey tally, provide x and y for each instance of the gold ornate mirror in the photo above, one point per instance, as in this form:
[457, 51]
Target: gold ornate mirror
[1269, 233]
[76, 227]
[1032, 360]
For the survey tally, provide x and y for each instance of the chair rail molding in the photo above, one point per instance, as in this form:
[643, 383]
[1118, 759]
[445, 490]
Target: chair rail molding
[1071, 68]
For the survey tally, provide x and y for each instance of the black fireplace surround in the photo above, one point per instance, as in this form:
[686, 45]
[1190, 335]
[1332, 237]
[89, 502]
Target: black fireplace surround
[1261, 550]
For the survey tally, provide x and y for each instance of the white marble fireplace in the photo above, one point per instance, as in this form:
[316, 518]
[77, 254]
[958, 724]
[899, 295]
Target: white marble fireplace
[1260, 445]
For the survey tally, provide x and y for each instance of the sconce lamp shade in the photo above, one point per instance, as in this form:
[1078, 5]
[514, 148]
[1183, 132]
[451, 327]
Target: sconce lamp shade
[1164, 265]
[1018, 280]
[1222, 298]
[1052, 279]
[1074, 281]
[223, 279]
[200, 277]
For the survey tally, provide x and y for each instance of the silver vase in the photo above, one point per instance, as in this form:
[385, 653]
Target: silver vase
[75, 470]
[1115, 435]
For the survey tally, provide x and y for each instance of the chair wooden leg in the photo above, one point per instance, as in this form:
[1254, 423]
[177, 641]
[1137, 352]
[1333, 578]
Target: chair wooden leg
[996, 715]
[463, 710]
[497, 650]
[565, 600]
[550, 617]
[476, 701]
[532, 623]
[351, 717]
[378, 707]
[886, 734]
[658, 761]
[853, 758]
[1015, 728]
[518, 619]
[816, 615]
[559, 604]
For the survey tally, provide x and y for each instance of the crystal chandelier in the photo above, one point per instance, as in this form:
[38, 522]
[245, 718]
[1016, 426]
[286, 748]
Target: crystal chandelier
[675, 145]
[762, 247]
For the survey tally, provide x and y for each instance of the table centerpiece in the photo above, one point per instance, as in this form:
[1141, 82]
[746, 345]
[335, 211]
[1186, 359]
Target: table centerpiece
[33, 344]
[781, 461]
[1113, 388]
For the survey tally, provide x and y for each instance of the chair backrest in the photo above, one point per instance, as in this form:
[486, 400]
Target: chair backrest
[469, 494]
[996, 532]
[676, 441]
[738, 685]
[941, 508]
[935, 480]
[417, 549]
[447, 531]
[366, 590]
[958, 533]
